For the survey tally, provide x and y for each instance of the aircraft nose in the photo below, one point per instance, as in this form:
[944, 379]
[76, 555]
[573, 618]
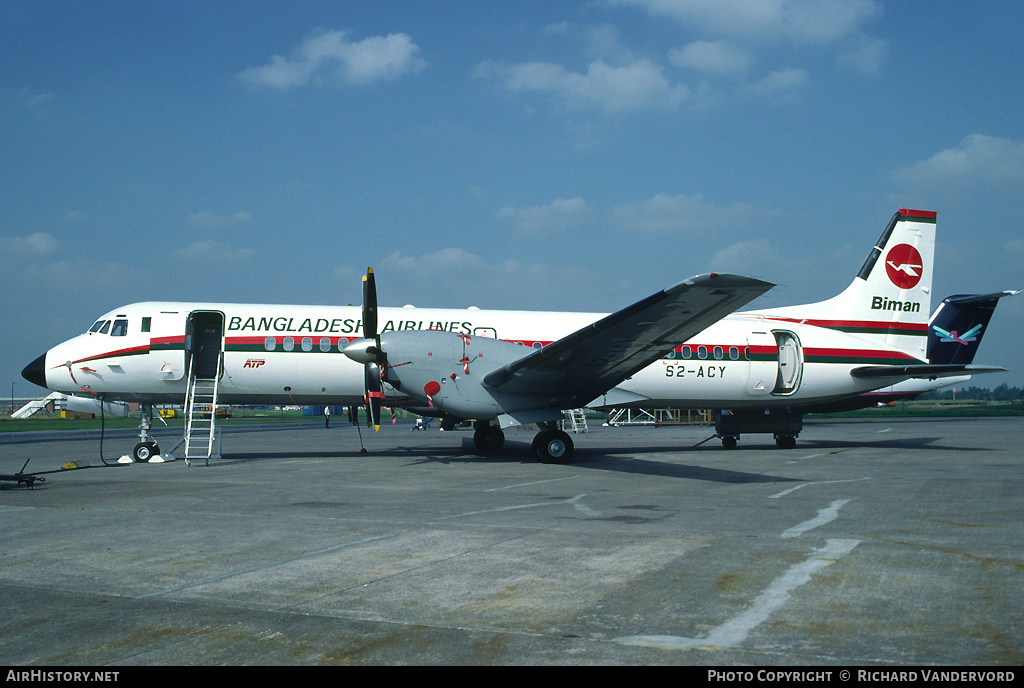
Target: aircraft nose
[35, 372]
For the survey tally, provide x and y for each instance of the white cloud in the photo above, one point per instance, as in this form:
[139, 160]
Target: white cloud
[638, 85]
[205, 219]
[214, 252]
[38, 244]
[74, 216]
[559, 216]
[865, 56]
[753, 257]
[711, 57]
[682, 214]
[806, 21]
[782, 83]
[978, 160]
[330, 56]
[27, 97]
[453, 278]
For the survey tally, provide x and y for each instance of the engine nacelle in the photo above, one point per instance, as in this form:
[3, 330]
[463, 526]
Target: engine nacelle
[446, 370]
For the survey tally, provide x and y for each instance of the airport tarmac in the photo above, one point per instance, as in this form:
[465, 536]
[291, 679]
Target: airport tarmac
[873, 542]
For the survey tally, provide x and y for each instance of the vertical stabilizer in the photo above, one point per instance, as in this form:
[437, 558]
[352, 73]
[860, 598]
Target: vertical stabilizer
[889, 301]
[956, 328]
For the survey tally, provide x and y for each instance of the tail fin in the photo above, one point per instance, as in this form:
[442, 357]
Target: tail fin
[889, 300]
[956, 328]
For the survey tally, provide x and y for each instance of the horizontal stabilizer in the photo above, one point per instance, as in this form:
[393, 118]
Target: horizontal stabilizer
[923, 371]
[979, 298]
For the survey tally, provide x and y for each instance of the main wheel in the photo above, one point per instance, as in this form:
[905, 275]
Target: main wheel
[785, 441]
[489, 439]
[729, 442]
[553, 446]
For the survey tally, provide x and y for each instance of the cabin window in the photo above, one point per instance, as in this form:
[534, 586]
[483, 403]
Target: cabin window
[120, 328]
[307, 344]
[719, 353]
[270, 343]
[702, 352]
[325, 344]
[147, 323]
[687, 351]
[289, 343]
[734, 353]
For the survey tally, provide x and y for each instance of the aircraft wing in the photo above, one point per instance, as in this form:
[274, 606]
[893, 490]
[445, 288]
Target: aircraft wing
[924, 371]
[578, 368]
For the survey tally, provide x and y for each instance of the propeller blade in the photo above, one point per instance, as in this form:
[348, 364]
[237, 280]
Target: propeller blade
[368, 352]
[374, 395]
[369, 305]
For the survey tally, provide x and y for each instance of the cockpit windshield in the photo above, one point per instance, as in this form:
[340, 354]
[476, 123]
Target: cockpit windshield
[116, 328]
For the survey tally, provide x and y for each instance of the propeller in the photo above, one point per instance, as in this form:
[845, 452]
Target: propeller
[368, 352]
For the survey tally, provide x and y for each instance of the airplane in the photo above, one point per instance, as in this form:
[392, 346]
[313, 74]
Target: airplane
[682, 347]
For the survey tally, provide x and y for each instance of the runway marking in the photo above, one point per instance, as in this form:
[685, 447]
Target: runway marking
[820, 482]
[574, 502]
[735, 630]
[260, 567]
[583, 507]
[536, 482]
[879, 432]
[826, 515]
[804, 458]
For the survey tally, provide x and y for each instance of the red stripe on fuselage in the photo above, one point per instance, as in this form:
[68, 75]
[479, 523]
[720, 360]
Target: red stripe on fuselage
[860, 324]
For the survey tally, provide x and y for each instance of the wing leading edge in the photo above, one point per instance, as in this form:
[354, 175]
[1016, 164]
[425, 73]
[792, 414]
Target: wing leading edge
[583, 365]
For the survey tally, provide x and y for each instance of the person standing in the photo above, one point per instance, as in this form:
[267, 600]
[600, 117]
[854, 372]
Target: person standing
[327, 416]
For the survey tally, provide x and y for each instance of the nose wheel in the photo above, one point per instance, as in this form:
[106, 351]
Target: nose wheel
[144, 451]
[147, 447]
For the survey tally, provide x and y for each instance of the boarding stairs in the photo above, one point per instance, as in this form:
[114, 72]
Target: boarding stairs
[200, 419]
[575, 421]
[36, 404]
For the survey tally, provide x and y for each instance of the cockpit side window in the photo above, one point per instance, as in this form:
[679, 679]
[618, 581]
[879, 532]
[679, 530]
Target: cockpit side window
[120, 328]
[106, 327]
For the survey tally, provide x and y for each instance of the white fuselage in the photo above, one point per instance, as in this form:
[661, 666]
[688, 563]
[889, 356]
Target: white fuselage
[291, 354]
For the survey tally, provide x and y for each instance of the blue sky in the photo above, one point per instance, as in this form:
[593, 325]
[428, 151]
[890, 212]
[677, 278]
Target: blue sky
[538, 155]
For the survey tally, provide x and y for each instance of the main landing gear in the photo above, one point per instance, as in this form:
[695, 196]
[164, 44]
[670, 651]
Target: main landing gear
[551, 445]
[785, 426]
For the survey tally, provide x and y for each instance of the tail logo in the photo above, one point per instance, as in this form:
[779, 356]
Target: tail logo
[968, 336]
[904, 266]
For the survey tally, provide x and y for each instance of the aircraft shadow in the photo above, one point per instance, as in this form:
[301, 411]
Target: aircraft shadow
[621, 459]
[609, 459]
[928, 443]
[521, 453]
